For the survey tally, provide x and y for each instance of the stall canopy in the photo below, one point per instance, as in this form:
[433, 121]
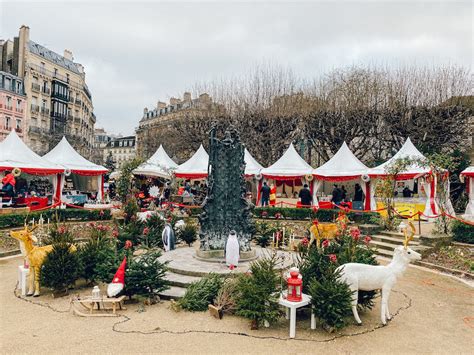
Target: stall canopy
[195, 167]
[408, 150]
[65, 155]
[159, 165]
[252, 167]
[343, 166]
[289, 166]
[468, 175]
[15, 154]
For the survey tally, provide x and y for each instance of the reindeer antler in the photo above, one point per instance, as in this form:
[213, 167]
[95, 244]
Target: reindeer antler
[411, 233]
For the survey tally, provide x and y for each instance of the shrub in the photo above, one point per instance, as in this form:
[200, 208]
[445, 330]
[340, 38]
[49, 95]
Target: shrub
[60, 268]
[188, 234]
[130, 209]
[18, 219]
[257, 292]
[152, 231]
[200, 294]
[462, 232]
[264, 234]
[145, 275]
[331, 299]
[131, 231]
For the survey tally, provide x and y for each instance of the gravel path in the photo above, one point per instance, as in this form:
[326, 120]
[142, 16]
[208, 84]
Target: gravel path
[435, 314]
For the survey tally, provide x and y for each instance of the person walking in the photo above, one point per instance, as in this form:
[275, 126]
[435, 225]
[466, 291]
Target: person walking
[265, 192]
[305, 196]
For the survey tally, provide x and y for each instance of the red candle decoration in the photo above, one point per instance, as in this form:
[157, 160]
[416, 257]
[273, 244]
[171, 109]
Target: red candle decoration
[295, 287]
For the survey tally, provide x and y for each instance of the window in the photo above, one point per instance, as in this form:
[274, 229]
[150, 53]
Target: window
[43, 68]
[9, 102]
[8, 84]
[18, 124]
[18, 105]
[67, 77]
[55, 71]
[7, 122]
[43, 104]
[18, 87]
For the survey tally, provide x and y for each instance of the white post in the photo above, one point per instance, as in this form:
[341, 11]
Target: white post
[293, 322]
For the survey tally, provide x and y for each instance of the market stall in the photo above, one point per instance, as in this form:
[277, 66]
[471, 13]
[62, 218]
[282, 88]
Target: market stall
[343, 167]
[40, 180]
[158, 165]
[82, 178]
[468, 176]
[419, 180]
[289, 173]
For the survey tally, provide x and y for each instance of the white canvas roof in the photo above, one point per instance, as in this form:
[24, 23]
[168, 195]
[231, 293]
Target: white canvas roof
[290, 165]
[408, 150]
[468, 171]
[14, 153]
[195, 167]
[66, 156]
[158, 165]
[252, 167]
[344, 164]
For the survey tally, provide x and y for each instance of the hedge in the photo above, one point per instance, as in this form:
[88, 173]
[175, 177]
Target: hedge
[323, 215]
[462, 232]
[18, 219]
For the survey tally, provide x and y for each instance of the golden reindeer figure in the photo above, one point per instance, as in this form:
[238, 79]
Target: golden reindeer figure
[35, 256]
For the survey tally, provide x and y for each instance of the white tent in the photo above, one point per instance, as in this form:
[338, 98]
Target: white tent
[195, 167]
[66, 156]
[343, 166]
[252, 167]
[468, 175]
[408, 150]
[289, 166]
[14, 153]
[159, 165]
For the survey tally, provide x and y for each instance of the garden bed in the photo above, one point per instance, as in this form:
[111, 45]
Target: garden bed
[452, 258]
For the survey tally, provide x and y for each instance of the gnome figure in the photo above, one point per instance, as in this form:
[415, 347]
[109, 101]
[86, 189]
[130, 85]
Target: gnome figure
[168, 236]
[118, 282]
[232, 249]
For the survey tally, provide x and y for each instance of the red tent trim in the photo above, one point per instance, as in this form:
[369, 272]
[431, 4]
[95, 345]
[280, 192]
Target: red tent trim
[34, 171]
[337, 178]
[190, 176]
[282, 178]
[89, 172]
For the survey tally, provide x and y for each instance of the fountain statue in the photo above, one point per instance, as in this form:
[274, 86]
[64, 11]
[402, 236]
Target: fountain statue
[225, 208]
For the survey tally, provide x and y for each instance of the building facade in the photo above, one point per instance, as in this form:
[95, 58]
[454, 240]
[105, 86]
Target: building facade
[122, 149]
[154, 122]
[12, 105]
[101, 139]
[59, 102]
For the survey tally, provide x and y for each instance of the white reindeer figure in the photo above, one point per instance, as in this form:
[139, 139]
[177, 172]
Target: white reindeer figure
[375, 277]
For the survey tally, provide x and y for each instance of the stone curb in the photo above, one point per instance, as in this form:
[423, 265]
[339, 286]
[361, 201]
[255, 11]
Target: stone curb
[456, 272]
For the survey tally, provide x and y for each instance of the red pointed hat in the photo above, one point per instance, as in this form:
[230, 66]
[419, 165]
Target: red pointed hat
[120, 274]
[118, 282]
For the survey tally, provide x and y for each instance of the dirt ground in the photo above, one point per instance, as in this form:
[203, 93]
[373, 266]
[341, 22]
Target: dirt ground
[434, 314]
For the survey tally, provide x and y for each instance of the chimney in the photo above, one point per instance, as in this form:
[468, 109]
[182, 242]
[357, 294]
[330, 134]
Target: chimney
[187, 97]
[68, 55]
[174, 101]
[160, 105]
[23, 40]
[204, 98]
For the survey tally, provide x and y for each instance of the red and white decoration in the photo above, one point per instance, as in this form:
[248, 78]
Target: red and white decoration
[118, 282]
[66, 156]
[468, 175]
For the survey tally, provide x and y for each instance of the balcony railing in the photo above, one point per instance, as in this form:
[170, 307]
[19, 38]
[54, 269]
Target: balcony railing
[44, 111]
[61, 116]
[35, 129]
[36, 87]
[9, 107]
[60, 96]
[19, 110]
[18, 130]
[34, 108]
[71, 99]
[78, 102]
[46, 90]
[7, 128]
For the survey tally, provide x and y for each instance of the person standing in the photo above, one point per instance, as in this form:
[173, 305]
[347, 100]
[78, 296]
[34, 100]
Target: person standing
[343, 193]
[273, 195]
[305, 196]
[8, 183]
[359, 198]
[265, 191]
[336, 195]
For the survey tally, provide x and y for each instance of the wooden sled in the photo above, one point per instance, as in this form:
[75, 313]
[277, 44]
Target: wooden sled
[98, 307]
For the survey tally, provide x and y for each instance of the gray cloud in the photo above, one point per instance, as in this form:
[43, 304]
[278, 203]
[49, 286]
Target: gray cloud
[136, 53]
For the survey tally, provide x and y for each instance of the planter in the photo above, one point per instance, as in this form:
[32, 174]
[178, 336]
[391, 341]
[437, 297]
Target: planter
[215, 311]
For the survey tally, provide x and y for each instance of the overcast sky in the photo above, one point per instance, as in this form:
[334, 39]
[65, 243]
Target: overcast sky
[137, 53]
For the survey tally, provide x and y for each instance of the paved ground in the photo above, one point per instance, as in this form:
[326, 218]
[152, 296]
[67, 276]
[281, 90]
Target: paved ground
[435, 314]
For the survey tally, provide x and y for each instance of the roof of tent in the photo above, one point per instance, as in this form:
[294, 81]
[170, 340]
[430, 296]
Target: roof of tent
[14, 153]
[408, 150]
[252, 167]
[158, 165]
[65, 155]
[289, 166]
[468, 172]
[195, 167]
[344, 165]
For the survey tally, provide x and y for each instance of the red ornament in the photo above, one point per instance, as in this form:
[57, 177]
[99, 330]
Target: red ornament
[295, 287]
[325, 243]
[333, 258]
